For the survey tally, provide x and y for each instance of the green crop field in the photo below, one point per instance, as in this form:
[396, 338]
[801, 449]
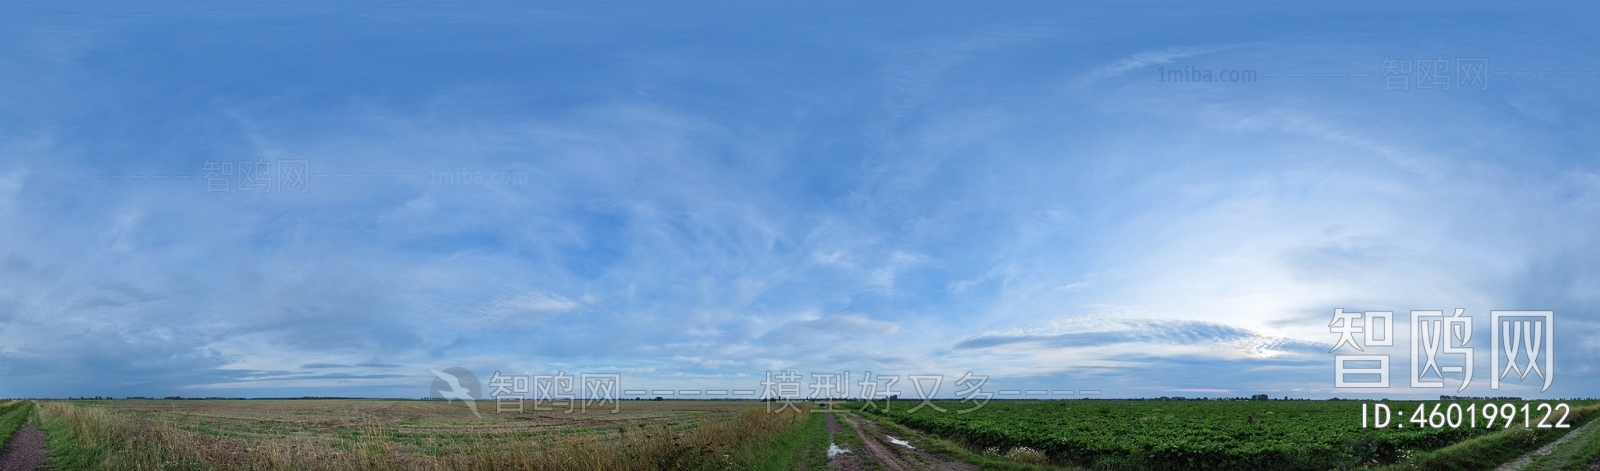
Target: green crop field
[1309, 435]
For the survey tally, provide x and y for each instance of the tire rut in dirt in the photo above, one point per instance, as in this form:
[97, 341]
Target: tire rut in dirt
[844, 461]
[880, 452]
[904, 458]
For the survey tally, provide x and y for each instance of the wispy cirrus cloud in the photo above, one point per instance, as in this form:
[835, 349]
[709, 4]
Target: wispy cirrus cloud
[1146, 59]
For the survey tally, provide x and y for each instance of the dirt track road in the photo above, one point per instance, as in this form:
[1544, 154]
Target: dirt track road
[25, 451]
[893, 457]
[842, 461]
[1524, 460]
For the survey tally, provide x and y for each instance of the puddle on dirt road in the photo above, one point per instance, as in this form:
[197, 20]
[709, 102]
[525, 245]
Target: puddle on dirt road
[834, 450]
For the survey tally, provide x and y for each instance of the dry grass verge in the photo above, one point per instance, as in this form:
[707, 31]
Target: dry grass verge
[94, 437]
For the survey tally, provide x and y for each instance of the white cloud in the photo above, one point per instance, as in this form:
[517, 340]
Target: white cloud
[1146, 59]
[830, 329]
[521, 308]
[10, 186]
[898, 262]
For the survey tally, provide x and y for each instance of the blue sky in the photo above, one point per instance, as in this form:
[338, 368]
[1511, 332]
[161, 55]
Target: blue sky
[694, 194]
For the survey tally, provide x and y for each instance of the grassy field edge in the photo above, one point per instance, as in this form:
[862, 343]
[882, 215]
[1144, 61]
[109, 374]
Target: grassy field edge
[90, 436]
[1577, 454]
[12, 416]
[1489, 451]
[956, 449]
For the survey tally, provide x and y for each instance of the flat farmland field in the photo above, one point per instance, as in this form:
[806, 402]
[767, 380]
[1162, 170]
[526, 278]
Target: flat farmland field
[338, 434]
[434, 428]
[1289, 435]
[406, 434]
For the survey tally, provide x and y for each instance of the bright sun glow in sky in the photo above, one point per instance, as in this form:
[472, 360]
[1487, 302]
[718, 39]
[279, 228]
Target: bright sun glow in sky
[695, 194]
